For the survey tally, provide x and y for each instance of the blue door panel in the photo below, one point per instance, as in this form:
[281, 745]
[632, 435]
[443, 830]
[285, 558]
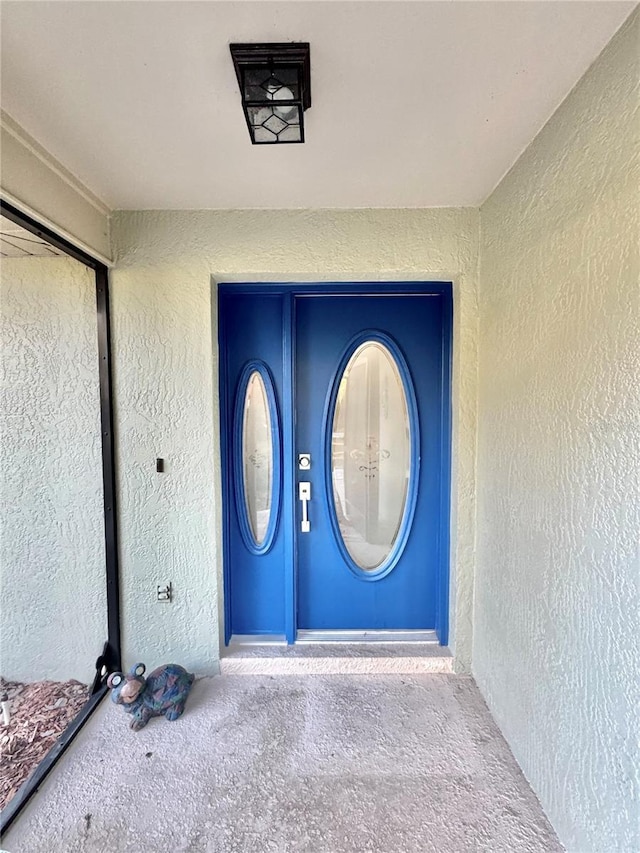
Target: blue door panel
[252, 331]
[329, 595]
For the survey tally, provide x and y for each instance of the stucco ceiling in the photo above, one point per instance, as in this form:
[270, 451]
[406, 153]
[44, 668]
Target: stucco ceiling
[415, 104]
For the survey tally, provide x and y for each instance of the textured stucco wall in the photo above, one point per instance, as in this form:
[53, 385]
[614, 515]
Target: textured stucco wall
[165, 348]
[53, 619]
[556, 621]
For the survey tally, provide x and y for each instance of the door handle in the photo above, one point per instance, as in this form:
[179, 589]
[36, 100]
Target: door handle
[304, 494]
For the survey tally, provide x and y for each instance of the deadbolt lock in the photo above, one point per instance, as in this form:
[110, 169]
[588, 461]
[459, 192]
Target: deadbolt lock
[304, 461]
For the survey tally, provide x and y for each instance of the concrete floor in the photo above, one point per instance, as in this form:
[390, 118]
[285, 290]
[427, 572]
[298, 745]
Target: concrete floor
[324, 763]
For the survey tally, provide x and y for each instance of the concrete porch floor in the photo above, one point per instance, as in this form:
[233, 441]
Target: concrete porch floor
[323, 763]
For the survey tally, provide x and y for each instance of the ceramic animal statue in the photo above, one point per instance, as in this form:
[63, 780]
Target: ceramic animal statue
[163, 693]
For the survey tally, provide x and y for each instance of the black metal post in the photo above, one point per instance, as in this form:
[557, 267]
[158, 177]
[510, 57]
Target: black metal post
[112, 653]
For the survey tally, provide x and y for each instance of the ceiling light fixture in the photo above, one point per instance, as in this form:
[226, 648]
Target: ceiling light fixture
[275, 86]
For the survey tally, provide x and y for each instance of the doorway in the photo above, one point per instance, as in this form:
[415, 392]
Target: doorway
[335, 427]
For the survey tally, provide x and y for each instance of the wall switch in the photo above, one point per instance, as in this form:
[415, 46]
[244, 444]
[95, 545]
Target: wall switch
[164, 593]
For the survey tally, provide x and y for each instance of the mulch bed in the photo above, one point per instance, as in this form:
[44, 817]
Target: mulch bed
[40, 712]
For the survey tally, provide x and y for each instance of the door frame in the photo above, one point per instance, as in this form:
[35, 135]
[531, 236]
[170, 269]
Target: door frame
[290, 290]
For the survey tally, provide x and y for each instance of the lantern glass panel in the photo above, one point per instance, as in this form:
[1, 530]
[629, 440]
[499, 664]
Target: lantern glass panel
[275, 123]
[264, 84]
[292, 133]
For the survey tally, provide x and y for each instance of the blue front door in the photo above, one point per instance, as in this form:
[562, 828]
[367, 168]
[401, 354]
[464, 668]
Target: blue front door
[335, 431]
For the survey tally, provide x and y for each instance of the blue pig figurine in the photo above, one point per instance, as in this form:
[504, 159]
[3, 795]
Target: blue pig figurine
[165, 692]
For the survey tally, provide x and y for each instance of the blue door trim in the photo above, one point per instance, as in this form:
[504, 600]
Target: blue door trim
[225, 463]
[444, 545]
[338, 288]
[289, 290]
[288, 441]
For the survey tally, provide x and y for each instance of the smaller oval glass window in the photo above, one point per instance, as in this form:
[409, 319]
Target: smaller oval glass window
[257, 457]
[370, 455]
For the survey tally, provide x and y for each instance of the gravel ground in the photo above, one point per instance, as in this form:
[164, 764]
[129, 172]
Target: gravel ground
[40, 712]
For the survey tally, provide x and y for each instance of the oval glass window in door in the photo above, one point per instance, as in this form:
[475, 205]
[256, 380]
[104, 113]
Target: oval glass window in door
[371, 449]
[257, 457]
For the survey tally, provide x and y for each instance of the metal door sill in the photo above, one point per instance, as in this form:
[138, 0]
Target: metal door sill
[305, 636]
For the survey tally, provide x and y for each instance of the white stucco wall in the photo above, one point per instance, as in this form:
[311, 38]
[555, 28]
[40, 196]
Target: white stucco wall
[557, 622]
[165, 350]
[53, 619]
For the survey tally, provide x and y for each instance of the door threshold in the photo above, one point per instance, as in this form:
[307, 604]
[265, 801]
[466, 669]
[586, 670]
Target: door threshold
[310, 636]
[341, 658]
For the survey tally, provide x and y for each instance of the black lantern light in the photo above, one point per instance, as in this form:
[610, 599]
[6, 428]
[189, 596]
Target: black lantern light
[275, 85]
